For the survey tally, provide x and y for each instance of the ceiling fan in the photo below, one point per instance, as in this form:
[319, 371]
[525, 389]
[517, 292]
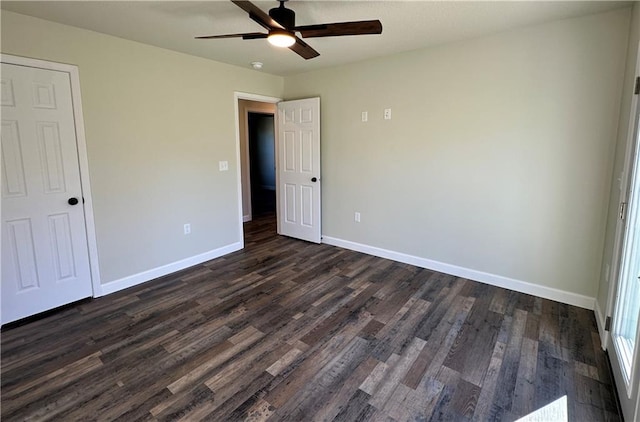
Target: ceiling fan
[281, 26]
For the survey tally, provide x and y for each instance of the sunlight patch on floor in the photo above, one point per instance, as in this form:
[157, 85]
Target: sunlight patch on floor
[553, 412]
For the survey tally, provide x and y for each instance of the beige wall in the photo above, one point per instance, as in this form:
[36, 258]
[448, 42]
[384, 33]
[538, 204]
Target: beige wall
[244, 107]
[621, 146]
[157, 123]
[498, 157]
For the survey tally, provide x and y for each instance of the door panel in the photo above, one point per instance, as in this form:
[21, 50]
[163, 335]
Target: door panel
[299, 169]
[44, 242]
[290, 203]
[14, 184]
[22, 250]
[51, 152]
[307, 204]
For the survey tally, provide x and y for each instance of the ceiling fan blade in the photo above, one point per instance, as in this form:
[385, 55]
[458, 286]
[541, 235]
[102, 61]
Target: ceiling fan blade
[247, 36]
[254, 36]
[304, 50]
[257, 14]
[340, 29]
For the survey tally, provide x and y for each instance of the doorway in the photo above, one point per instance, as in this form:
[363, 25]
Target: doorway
[297, 164]
[254, 106]
[262, 163]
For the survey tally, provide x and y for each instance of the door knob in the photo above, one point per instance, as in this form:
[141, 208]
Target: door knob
[72, 201]
[314, 179]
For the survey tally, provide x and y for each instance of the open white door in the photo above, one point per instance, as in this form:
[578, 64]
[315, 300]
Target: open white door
[299, 169]
[45, 258]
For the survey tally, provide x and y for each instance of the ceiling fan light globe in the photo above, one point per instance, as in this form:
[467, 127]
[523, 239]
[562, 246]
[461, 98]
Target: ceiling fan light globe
[281, 39]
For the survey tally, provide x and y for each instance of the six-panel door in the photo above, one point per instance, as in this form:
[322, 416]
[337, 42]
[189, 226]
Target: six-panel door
[45, 261]
[299, 169]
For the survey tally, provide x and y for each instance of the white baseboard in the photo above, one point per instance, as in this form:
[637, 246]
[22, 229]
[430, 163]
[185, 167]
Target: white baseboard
[134, 280]
[246, 218]
[492, 279]
[601, 323]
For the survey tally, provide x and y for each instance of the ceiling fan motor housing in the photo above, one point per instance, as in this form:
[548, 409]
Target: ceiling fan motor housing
[285, 17]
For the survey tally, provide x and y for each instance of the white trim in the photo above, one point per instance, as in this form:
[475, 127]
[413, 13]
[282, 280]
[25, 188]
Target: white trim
[246, 218]
[621, 384]
[143, 277]
[625, 185]
[83, 161]
[492, 279]
[255, 97]
[601, 323]
[42, 64]
[85, 183]
[251, 97]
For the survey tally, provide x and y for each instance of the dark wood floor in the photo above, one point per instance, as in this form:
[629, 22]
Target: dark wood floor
[288, 330]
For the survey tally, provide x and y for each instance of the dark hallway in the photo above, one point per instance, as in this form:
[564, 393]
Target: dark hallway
[262, 164]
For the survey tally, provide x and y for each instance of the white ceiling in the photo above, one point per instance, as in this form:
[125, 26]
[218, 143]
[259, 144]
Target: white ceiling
[407, 25]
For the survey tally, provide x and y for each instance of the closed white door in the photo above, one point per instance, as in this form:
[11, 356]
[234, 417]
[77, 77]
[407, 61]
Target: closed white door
[45, 261]
[299, 169]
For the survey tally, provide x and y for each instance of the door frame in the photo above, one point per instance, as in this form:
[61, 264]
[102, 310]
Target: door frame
[83, 162]
[237, 95]
[625, 186]
[247, 152]
[619, 237]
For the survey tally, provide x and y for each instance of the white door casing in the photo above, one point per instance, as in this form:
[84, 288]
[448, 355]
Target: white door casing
[625, 333]
[628, 388]
[45, 252]
[299, 183]
[251, 97]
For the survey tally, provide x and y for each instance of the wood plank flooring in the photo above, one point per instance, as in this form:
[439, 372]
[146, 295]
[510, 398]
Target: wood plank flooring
[291, 331]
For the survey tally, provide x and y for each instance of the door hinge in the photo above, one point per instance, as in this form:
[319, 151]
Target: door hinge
[607, 324]
[636, 90]
[623, 210]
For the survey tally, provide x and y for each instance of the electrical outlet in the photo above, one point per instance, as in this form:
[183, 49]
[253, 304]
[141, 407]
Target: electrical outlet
[224, 165]
[387, 114]
[365, 116]
[356, 217]
[187, 228]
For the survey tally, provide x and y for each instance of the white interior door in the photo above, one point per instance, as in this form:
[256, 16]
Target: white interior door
[625, 335]
[299, 169]
[45, 261]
